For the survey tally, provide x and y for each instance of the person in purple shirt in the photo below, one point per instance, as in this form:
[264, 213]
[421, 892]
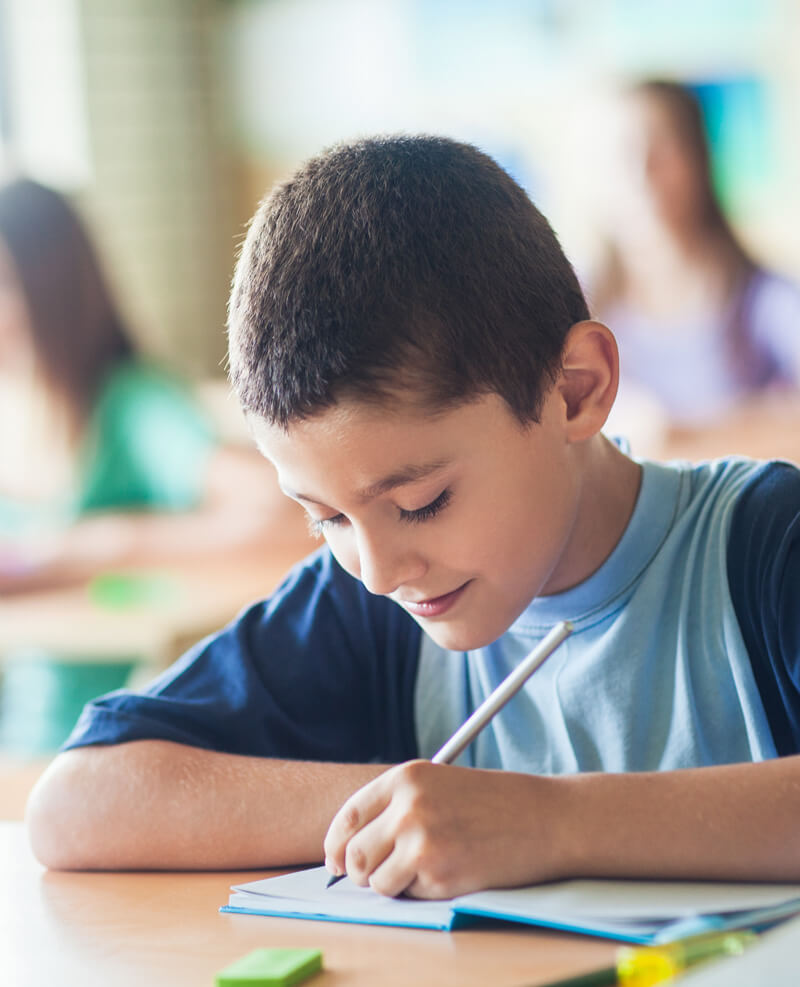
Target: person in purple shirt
[702, 327]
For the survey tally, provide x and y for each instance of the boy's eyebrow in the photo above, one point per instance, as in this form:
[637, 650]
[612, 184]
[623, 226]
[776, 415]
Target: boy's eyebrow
[405, 474]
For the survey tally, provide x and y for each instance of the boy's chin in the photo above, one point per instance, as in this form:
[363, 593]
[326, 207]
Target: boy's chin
[457, 636]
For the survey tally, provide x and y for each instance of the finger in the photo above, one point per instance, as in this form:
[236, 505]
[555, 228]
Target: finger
[394, 875]
[368, 849]
[406, 872]
[359, 810]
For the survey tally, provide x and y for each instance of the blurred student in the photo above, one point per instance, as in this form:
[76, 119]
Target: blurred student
[702, 327]
[105, 459]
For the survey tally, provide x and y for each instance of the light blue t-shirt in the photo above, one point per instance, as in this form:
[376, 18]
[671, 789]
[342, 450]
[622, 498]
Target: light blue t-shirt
[656, 674]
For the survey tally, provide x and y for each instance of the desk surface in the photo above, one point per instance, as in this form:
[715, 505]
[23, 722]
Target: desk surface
[165, 930]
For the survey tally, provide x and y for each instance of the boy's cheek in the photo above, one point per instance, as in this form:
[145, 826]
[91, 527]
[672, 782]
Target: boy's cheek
[347, 559]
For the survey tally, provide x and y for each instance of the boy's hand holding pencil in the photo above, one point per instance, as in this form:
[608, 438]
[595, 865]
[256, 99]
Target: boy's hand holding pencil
[433, 833]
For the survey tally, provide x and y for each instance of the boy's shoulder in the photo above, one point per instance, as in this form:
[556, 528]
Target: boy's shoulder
[727, 474]
[747, 494]
[731, 488]
[320, 670]
[734, 508]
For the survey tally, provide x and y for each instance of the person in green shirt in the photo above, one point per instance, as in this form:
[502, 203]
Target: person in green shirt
[105, 458]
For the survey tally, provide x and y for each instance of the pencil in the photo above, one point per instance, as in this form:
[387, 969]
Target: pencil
[494, 702]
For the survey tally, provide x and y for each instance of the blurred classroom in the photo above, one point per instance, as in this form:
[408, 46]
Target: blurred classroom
[165, 121]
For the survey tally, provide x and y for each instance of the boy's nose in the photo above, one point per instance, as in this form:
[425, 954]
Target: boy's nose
[384, 566]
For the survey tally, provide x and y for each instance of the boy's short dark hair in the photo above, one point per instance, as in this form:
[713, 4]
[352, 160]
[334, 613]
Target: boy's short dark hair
[399, 263]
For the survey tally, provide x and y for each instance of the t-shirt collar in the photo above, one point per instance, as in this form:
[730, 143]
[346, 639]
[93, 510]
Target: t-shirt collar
[604, 591]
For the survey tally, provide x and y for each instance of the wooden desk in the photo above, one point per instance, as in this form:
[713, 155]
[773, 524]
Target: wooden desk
[165, 930]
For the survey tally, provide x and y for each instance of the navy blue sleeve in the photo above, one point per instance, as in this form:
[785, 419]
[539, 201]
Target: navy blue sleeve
[764, 580]
[323, 670]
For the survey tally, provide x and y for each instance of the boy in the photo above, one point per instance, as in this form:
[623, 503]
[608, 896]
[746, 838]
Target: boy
[417, 360]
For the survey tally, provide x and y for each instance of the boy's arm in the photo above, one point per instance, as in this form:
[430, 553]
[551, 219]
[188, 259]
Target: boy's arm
[435, 830]
[438, 831]
[142, 785]
[159, 805]
[728, 822]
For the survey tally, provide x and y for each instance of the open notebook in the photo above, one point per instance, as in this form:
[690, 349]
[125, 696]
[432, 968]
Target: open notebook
[631, 911]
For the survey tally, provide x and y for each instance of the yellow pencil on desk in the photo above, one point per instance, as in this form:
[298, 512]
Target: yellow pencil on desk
[493, 703]
[646, 966]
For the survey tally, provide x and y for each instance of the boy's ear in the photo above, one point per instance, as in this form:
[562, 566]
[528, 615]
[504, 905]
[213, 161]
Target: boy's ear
[589, 378]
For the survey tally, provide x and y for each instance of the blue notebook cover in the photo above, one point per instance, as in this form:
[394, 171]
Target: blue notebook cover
[628, 911]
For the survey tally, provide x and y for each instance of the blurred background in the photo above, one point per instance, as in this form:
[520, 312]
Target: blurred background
[169, 119]
[164, 122]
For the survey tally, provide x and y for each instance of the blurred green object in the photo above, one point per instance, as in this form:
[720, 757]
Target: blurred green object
[123, 591]
[43, 695]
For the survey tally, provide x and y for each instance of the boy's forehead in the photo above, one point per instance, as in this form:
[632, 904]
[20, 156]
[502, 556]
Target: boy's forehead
[354, 417]
[367, 453]
[350, 424]
[378, 445]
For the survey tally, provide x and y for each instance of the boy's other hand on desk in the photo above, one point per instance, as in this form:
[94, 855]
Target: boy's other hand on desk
[437, 831]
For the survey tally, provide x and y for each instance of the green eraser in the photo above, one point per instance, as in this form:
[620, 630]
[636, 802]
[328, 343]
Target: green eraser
[271, 968]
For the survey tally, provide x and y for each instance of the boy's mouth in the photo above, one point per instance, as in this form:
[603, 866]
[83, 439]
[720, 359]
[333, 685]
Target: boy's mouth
[436, 605]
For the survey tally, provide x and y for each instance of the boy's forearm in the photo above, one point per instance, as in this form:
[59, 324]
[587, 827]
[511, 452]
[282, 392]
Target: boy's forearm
[154, 804]
[734, 822]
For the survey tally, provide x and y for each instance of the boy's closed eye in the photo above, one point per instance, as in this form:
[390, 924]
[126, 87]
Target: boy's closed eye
[419, 514]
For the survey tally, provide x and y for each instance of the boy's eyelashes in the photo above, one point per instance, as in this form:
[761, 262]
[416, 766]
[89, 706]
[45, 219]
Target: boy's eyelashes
[426, 513]
[430, 510]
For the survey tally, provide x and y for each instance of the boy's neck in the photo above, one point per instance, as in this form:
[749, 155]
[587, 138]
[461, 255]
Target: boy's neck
[610, 490]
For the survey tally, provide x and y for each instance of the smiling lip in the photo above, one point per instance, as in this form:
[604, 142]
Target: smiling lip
[436, 606]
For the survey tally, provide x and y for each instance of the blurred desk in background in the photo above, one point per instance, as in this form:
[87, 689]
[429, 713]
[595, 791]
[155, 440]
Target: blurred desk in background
[767, 427]
[150, 614]
[781, 440]
[61, 647]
